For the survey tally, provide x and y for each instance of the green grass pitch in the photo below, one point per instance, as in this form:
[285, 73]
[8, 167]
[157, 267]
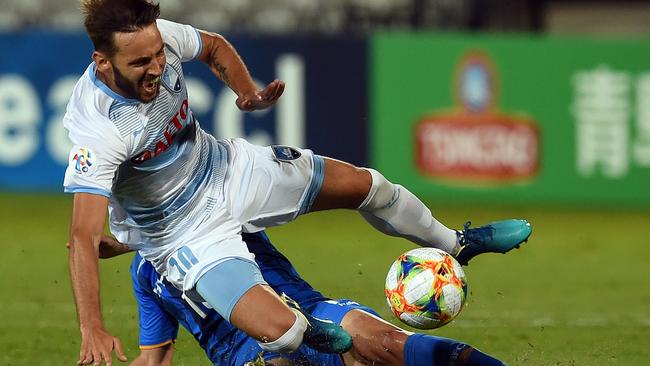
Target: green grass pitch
[577, 294]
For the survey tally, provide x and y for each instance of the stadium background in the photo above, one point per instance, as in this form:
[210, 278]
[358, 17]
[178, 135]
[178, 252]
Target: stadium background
[487, 109]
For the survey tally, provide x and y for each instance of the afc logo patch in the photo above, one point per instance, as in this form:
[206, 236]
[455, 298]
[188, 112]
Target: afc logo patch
[82, 161]
[285, 153]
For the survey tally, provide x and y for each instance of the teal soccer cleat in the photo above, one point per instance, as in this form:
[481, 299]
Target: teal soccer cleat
[495, 237]
[322, 335]
[326, 337]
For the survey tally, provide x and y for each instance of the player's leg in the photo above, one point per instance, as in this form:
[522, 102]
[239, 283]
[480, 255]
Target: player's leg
[217, 268]
[251, 315]
[388, 207]
[374, 340]
[276, 184]
[236, 290]
[377, 341]
[394, 210]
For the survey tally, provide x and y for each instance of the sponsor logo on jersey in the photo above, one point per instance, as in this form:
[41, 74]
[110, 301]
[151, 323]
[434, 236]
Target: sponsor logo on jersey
[83, 160]
[172, 129]
[475, 142]
[285, 153]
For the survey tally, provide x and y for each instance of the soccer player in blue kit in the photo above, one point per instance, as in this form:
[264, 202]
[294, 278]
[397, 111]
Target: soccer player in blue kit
[162, 307]
[182, 198]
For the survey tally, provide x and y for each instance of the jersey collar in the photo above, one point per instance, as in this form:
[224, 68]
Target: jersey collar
[103, 87]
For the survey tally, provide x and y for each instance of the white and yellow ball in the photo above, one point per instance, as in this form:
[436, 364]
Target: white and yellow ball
[426, 288]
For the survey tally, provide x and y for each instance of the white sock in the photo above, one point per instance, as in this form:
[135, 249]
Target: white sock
[291, 340]
[395, 211]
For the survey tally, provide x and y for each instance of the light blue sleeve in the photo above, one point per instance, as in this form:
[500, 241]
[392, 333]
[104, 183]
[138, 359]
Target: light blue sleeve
[97, 151]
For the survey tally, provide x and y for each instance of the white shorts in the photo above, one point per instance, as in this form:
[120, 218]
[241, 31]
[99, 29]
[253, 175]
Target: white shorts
[264, 186]
[271, 185]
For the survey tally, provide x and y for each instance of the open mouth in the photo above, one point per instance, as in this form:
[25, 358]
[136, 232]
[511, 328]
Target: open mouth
[151, 86]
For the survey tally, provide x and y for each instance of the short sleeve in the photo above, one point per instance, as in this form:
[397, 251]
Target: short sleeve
[184, 39]
[157, 327]
[96, 155]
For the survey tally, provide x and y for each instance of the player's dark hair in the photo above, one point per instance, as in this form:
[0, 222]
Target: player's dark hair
[103, 18]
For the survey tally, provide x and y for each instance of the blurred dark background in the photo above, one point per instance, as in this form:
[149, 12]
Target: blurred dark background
[363, 16]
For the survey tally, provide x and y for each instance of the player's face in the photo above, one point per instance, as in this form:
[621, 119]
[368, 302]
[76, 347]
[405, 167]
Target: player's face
[138, 63]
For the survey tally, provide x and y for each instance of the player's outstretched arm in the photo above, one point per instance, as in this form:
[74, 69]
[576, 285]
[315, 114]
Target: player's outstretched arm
[86, 229]
[223, 60]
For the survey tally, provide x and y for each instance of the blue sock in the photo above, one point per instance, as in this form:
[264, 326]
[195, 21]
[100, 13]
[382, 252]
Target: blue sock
[426, 350]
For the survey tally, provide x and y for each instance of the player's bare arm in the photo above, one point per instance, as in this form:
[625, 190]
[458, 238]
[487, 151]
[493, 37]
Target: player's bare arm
[223, 60]
[86, 229]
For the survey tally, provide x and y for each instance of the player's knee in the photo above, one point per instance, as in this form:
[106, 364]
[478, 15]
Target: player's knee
[356, 183]
[381, 194]
[290, 340]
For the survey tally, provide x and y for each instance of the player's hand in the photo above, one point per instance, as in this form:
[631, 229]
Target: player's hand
[261, 99]
[97, 346]
[109, 247]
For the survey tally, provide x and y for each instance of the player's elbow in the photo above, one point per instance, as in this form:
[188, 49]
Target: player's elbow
[217, 41]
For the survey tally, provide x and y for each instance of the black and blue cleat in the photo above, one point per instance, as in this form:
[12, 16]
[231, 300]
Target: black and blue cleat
[496, 237]
[322, 335]
[326, 337]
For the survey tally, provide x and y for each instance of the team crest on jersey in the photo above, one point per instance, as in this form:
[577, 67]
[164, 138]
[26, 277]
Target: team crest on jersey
[83, 161]
[171, 79]
[285, 153]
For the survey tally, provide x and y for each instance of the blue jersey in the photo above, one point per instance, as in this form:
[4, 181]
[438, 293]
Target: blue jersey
[162, 307]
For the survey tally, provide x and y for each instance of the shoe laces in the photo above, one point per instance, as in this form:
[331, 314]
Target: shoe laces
[478, 235]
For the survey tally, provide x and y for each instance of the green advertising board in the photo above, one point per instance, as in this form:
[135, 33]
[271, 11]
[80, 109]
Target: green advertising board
[512, 118]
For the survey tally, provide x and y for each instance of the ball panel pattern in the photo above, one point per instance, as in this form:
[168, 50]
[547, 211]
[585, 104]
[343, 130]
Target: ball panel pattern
[426, 288]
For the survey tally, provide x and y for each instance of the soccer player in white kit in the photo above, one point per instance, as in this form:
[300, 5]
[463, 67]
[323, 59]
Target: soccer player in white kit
[181, 197]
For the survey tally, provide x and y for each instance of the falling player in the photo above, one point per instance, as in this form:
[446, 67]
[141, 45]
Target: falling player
[181, 197]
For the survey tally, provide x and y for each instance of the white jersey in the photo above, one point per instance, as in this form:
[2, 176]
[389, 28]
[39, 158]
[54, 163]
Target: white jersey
[172, 186]
[160, 170]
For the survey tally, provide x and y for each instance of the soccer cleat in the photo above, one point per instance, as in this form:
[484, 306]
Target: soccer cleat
[322, 335]
[495, 237]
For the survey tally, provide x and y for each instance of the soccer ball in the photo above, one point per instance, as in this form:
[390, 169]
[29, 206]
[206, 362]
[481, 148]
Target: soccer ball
[426, 288]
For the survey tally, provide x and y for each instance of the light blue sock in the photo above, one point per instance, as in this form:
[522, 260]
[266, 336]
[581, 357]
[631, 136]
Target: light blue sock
[426, 350]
